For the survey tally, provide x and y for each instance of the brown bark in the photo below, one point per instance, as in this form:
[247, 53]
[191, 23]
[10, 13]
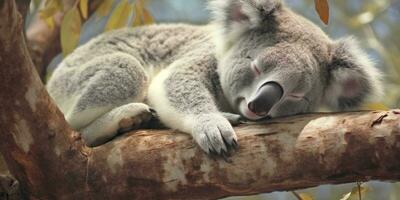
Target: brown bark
[9, 187]
[281, 154]
[35, 140]
[23, 6]
[50, 162]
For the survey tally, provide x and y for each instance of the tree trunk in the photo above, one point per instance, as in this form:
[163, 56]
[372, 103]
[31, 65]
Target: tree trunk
[36, 142]
[50, 161]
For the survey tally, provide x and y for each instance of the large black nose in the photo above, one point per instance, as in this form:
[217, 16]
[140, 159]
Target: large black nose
[266, 97]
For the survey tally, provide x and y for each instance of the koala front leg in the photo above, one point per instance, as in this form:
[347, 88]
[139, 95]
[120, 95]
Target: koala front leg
[213, 133]
[183, 101]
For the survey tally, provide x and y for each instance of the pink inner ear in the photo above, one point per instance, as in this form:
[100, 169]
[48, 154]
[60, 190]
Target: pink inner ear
[350, 88]
[237, 14]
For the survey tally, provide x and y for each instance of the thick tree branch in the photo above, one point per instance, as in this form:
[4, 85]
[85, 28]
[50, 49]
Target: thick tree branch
[50, 162]
[282, 154]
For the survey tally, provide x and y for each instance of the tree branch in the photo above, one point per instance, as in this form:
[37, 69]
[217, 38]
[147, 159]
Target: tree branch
[50, 161]
[282, 154]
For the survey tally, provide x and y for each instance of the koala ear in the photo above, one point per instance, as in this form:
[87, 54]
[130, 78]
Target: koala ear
[352, 77]
[250, 12]
[233, 17]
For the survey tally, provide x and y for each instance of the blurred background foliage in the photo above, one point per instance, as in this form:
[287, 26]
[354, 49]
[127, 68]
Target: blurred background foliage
[374, 22]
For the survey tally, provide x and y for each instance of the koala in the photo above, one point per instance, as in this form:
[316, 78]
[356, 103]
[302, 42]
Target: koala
[256, 59]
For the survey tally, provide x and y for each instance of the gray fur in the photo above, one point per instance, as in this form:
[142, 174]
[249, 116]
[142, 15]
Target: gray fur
[199, 78]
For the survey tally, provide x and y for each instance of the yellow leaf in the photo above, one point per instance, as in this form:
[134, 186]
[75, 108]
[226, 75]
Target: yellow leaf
[145, 14]
[119, 16]
[322, 7]
[50, 22]
[355, 193]
[147, 18]
[305, 196]
[70, 31]
[53, 2]
[47, 12]
[375, 106]
[51, 7]
[138, 15]
[83, 5]
[104, 8]
[142, 15]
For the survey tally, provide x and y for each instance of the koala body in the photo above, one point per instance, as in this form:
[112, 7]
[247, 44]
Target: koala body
[256, 59]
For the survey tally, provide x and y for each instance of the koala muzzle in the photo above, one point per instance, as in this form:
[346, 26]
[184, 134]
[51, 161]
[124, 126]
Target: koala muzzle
[266, 97]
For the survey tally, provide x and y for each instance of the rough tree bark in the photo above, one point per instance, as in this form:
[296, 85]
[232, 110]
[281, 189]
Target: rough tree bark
[50, 161]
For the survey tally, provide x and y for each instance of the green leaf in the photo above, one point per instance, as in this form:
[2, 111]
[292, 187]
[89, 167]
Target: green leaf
[119, 16]
[70, 31]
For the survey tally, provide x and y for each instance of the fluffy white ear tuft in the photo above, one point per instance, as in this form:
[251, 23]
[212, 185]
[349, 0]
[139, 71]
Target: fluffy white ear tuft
[252, 12]
[233, 17]
[353, 79]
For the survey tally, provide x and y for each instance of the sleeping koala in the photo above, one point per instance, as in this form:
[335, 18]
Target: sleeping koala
[257, 59]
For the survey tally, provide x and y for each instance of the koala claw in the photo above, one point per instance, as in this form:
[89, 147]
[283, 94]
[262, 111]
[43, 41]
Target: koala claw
[225, 155]
[235, 145]
[214, 134]
[153, 112]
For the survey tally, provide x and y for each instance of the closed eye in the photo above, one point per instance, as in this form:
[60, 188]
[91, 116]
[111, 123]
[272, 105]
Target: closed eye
[255, 69]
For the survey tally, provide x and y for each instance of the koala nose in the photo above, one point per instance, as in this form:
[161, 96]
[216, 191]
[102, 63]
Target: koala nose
[266, 97]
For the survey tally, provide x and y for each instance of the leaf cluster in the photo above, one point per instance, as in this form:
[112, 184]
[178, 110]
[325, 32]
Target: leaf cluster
[124, 13]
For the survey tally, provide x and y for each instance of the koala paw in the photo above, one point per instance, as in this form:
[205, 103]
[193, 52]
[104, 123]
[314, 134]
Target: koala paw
[214, 134]
[136, 116]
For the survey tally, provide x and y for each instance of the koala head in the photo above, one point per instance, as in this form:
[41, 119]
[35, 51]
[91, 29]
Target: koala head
[273, 62]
